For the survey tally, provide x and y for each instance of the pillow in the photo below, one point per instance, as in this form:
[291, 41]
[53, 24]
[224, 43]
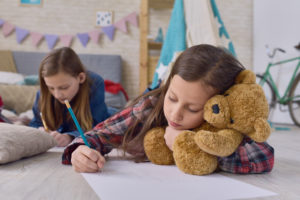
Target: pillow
[17, 141]
[30, 80]
[18, 98]
[11, 77]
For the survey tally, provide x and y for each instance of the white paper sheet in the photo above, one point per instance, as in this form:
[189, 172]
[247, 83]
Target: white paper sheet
[122, 179]
[57, 149]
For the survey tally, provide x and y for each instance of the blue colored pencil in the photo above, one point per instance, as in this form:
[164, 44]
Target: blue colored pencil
[76, 123]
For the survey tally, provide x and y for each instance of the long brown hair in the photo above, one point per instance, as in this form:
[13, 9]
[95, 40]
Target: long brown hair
[64, 60]
[216, 67]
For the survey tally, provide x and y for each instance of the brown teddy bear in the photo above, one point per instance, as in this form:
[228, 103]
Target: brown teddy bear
[241, 110]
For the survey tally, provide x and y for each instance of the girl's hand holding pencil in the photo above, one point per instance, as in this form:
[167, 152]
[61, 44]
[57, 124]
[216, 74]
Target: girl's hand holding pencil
[85, 159]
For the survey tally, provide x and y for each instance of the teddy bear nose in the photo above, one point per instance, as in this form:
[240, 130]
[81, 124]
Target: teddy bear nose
[216, 109]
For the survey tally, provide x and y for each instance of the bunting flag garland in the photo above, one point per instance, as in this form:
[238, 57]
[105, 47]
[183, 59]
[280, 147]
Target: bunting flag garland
[121, 25]
[36, 38]
[109, 31]
[51, 40]
[84, 38]
[132, 19]
[21, 34]
[7, 29]
[66, 40]
[94, 35]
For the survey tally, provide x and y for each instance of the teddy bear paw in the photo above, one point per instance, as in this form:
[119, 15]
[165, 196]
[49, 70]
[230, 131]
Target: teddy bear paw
[156, 149]
[189, 158]
[221, 143]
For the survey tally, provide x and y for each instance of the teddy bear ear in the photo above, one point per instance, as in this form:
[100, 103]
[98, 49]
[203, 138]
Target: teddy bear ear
[245, 76]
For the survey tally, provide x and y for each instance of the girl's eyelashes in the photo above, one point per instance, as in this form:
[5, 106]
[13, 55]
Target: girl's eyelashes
[61, 88]
[194, 111]
[64, 88]
[172, 99]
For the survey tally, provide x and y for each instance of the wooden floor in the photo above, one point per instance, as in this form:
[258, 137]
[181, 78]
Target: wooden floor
[43, 177]
[285, 176]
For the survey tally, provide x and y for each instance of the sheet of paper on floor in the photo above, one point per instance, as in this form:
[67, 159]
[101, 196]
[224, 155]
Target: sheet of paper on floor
[122, 179]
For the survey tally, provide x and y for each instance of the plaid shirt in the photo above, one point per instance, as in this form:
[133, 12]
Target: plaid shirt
[250, 157]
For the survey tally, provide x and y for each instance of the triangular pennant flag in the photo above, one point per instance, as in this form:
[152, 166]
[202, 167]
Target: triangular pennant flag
[121, 25]
[132, 18]
[109, 31]
[51, 40]
[94, 35]
[21, 34]
[1, 22]
[36, 38]
[84, 38]
[66, 40]
[7, 29]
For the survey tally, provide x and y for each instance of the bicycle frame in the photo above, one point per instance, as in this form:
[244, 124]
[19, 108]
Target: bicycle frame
[267, 76]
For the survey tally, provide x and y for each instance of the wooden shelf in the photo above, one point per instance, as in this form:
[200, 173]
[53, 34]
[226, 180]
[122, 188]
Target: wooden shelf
[147, 62]
[154, 45]
[161, 4]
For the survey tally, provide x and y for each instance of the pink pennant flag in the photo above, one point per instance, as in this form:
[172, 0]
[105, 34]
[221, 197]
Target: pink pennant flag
[121, 25]
[84, 38]
[7, 29]
[51, 40]
[94, 35]
[21, 34]
[132, 18]
[66, 40]
[36, 38]
[109, 31]
[1, 22]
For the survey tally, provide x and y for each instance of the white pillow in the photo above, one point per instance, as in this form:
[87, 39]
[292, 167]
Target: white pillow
[17, 141]
[11, 77]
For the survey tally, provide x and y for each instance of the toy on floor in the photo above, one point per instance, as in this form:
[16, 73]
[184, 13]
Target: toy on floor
[241, 110]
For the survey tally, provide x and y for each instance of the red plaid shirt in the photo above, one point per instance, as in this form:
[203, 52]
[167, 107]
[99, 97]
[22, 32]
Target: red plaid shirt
[250, 157]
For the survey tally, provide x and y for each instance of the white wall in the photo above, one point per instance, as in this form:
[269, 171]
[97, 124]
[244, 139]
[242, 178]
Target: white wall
[276, 23]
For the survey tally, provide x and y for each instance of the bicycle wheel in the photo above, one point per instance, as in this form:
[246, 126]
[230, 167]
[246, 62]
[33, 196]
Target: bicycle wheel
[268, 89]
[294, 104]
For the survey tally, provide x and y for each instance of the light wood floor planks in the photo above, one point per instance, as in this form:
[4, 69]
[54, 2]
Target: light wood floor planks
[285, 176]
[44, 177]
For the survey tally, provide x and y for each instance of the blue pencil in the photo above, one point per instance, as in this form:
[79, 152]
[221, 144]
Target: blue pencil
[76, 123]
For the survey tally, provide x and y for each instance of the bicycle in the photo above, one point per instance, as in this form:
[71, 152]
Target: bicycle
[291, 96]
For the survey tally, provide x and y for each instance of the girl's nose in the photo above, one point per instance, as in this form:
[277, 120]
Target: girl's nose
[177, 114]
[57, 94]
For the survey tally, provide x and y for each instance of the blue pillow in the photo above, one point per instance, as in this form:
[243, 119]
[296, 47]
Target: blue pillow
[30, 80]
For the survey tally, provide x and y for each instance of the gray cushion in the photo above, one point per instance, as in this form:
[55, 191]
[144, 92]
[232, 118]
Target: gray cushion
[117, 101]
[28, 63]
[108, 66]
